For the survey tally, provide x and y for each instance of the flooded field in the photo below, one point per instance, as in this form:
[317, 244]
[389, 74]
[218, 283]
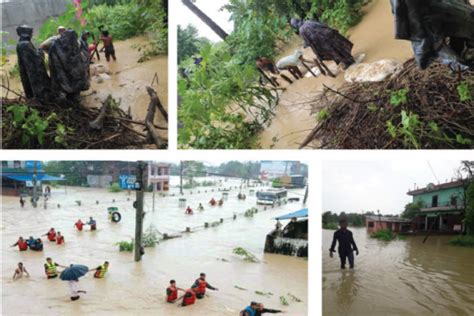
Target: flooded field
[295, 117]
[403, 277]
[132, 288]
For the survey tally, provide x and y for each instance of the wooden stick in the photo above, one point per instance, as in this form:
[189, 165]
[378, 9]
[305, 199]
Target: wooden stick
[266, 77]
[308, 68]
[99, 121]
[156, 101]
[150, 117]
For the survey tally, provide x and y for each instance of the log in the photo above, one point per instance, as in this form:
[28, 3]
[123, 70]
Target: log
[150, 118]
[157, 102]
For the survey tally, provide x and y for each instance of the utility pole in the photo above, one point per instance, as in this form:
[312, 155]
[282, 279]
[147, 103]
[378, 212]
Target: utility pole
[35, 193]
[305, 195]
[139, 211]
[181, 167]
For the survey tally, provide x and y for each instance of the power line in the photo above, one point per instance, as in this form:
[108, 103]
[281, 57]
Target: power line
[432, 171]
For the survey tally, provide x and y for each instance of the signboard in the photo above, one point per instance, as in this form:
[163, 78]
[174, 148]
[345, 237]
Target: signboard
[127, 182]
[30, 165]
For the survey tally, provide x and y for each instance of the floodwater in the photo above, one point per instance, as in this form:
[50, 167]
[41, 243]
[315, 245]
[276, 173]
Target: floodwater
[127, 83]
[404, 277]
[295, 115]
[131, 287]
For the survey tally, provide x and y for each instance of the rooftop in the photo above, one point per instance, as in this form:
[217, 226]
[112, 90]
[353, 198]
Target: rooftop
[393, 219]
[436, 187]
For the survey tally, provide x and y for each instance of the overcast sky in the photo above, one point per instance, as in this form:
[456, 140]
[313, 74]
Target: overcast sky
[356, 186]
[211, 8]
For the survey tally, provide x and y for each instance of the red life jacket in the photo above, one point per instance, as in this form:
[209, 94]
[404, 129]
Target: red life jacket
[22, 245]
[173, 295]
[60, 240]
[189, 298]
[79, 225]
[201, 289]
[52, 235]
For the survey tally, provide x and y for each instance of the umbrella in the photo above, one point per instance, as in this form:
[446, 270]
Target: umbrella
[74, 272]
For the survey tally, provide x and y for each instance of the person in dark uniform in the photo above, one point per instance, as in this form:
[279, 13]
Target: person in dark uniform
[346, 246]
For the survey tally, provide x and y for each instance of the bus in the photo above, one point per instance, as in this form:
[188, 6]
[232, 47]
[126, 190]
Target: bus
[270, 196]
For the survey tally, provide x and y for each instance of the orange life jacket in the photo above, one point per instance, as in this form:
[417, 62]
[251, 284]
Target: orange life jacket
[189, 298]
[173, 294]
[79, 225]
[60, 240]
[201, 289]
[22, 245]
[52, 235]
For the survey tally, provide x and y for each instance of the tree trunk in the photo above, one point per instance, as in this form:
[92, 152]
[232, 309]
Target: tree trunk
[209, 22]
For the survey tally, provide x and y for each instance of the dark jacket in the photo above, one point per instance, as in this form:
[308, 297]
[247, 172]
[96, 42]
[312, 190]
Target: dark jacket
[267, 310]
[346, 241]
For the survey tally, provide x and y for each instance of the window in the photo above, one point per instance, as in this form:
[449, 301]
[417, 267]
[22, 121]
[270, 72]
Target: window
[371, 224]
[454, 200]
[434, 201]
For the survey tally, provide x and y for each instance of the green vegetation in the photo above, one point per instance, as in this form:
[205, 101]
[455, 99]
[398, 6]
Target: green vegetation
[125, 245]
[251, 212]
[123, 19]
[189, 42]
[412, 209]
[465, 91]
[247, 256]
[330, 226]
[399, 97]
[151, 237]
[262, 293]
[115, 187]
[463, 241]
[240, 288]
[384, 234]
[294, 298]
[469, 215]
[284, 301]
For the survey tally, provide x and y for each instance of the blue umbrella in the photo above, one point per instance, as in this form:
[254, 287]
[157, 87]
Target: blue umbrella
[74, 272]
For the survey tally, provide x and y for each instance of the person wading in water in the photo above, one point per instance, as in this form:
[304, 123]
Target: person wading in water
[346, 247]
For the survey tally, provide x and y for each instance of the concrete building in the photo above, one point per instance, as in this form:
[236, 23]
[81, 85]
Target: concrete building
[443, 207]
[396, 224]
[159, 176]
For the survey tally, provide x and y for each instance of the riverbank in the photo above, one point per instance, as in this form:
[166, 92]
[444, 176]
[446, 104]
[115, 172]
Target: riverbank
[296, 115]
[418, 278]
[131, 287]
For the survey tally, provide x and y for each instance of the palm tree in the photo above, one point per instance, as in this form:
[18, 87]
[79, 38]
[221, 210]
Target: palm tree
[209, 22]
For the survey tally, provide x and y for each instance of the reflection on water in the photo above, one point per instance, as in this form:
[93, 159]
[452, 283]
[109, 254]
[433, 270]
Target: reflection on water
[139, 288]
[400, 278]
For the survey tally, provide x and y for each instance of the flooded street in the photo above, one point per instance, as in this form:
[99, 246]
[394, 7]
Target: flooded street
[373, 36]
[131, 287]
[404, 277]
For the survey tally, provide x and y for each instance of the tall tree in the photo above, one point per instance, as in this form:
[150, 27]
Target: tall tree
[207, 20]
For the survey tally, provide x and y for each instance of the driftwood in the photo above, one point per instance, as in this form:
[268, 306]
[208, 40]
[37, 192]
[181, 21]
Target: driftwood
[150, 118]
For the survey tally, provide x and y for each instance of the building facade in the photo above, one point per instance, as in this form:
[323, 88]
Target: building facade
[374, 223]
[443, 207]
[159, 176]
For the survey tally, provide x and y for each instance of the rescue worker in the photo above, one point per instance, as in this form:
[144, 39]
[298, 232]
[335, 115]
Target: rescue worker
[221, 202]
[79, 225]
[22, 202]
[31, 242]
[200, 207]
[346, 246]
[60, 239]
[21, 243]
[38, 245]
[200, 286]
[189, 211]
[101, 270]
[45, 46]
[172, 292]
[262, 310]
[212, 202]
[189, 298]
[51, 234]
[20, 271]
[250, 310]
[50, 268]
[92, 223]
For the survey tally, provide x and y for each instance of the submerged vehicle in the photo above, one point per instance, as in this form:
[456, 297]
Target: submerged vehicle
[291, 240]
[270, 196]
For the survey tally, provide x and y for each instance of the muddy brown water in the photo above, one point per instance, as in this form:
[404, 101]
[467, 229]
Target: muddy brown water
[404, 277]
[127, 83]
[132, 288]
[295, 117]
